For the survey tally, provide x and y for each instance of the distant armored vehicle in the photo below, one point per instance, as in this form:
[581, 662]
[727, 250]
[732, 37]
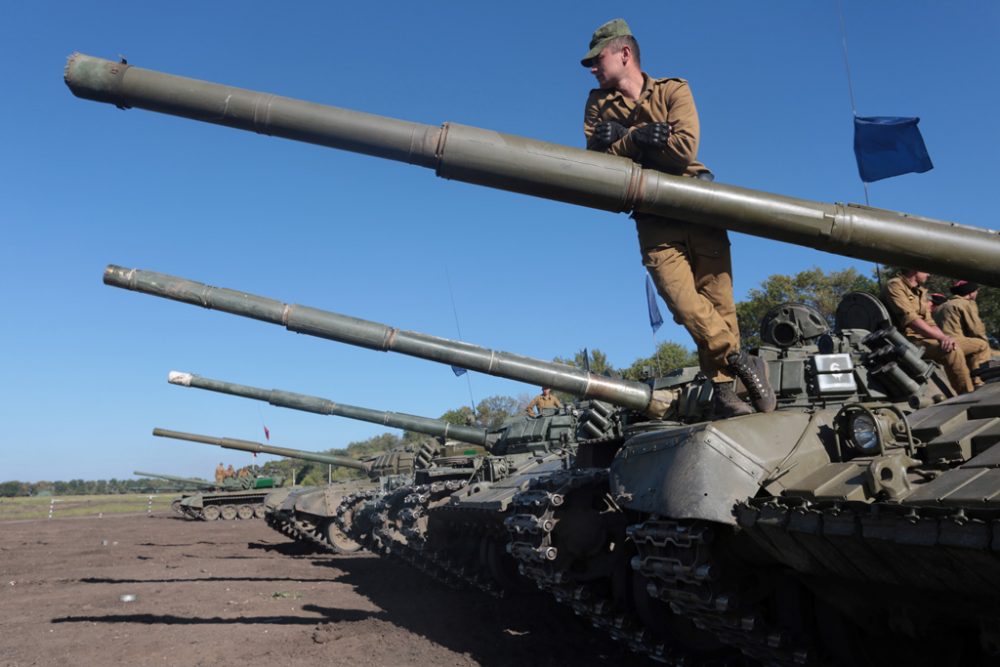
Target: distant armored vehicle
[233, 498]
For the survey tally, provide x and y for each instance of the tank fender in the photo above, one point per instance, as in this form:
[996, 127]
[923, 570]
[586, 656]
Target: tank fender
[702, 471]
[274, 499]
[196, 501]
[319, 502]
[288, 504]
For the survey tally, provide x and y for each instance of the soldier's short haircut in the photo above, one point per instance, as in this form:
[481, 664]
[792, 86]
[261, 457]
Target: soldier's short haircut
[617, 43]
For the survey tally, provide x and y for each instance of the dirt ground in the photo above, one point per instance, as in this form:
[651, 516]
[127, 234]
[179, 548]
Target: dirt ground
[238, 593]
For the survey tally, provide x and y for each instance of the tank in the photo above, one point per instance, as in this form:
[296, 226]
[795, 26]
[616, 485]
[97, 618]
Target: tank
[853, 523]
[391, 518]
[181, 484]
[542, 169]
[306, 513]
[233, 498]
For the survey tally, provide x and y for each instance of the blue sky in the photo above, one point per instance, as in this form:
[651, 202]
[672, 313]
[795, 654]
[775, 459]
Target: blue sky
[83, 185]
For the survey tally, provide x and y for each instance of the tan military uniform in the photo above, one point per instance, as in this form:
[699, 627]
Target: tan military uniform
[959, 318]
[689, 263]
[220, 474]
[907, 304]
[541, 402]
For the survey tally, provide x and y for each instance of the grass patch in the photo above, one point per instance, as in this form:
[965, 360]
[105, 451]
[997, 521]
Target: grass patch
[70, 506]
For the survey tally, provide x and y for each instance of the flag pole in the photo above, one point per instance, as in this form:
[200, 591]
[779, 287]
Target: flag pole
[458, 328]
[656, 355]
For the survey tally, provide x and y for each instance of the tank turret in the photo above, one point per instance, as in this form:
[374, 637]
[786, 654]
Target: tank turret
[552, 171]
[287, 399]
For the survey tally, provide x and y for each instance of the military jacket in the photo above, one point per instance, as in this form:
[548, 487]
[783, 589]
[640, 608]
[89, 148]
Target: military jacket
[661, 101]
[960, 317]
[542, 401]
[905, 303]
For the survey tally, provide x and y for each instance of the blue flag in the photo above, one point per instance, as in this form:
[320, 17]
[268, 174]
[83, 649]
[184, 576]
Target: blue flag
[655, 319]
[458, 371]
[888, 146]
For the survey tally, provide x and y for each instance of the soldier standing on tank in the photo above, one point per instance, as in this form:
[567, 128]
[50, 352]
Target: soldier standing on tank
[908, 304]
[655, 122]
[546, 399]
[959, 318]
[220, 473]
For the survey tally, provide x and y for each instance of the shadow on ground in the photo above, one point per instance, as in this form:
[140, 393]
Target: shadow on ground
[325, 615]
[528, 627]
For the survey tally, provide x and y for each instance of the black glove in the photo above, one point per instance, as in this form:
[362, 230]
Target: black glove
[607, 133]
[653, 136]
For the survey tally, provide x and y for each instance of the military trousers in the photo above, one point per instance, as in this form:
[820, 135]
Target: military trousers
[969, 354]
[691, 267]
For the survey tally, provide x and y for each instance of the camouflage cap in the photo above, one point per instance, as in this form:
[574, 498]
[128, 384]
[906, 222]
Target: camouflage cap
[607, 32]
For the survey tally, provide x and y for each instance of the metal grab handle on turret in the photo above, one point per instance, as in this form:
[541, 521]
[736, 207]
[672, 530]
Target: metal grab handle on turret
[552, 171]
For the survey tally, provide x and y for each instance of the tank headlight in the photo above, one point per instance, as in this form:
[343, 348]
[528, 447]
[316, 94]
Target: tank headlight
[864, 432]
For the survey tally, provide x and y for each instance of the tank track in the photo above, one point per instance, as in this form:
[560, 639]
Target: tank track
[677, 559]
[348, 513]
[532, 528]
[298, 531]
[949, 555]
[399, 530]
[484, 529]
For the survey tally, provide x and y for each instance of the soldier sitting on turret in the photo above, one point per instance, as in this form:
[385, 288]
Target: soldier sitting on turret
[230, 472]
[959, 318]
[906, 298]
[546, 399]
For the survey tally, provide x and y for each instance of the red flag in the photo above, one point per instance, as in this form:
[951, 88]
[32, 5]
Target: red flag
[267, 433]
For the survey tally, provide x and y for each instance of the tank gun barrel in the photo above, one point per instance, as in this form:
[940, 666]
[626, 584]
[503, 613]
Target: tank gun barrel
[551, 171]
[323, 406]
[193, 481]
[261, 448]
[376, 336]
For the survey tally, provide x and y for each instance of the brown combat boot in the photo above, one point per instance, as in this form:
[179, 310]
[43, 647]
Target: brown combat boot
[725, 402]
[752, 371]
